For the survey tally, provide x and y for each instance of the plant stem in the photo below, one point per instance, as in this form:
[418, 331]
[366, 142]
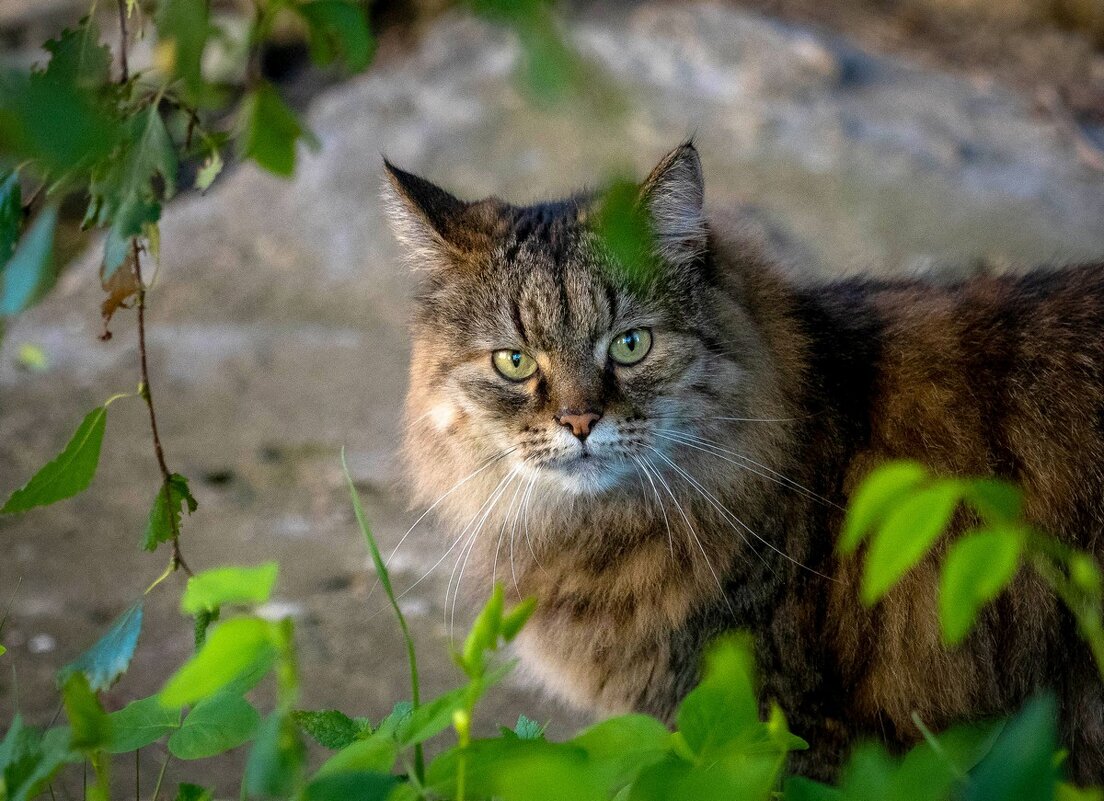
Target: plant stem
[159, 452]
[160, 777]
[123, 41]
[385, 581]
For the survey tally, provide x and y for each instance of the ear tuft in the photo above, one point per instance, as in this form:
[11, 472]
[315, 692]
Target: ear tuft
[424, 217]
[674, 195]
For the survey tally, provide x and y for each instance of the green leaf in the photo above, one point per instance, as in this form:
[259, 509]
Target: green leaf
[209, 170]
[1085, 574]
[277, 759]
[528, 729]
[1069, 792]
[214, 725]
[398, 716]
[363, 786]
[124, 193]
[798, 788]
[619, 748]
[484, 632]
[516, 618]
[977, 569]
[375, 754]
[907, 535]
[167, 511]
[233, 649]
[429, 719]
[724, 707]
[878, 495]
[29, 759]
[89, 724]
[65, 128]
[11, 215]
[131, 218]
[1021, 762]
[69, 472]
[338, 29]
[997, 501]
[330, 728]
[517, 770]
[30, 273]
[626, 229]
[108, 659]
[140, 723]
[78, 57]
[223, 586]
[193, 792]
[183, 27]
[270, 131]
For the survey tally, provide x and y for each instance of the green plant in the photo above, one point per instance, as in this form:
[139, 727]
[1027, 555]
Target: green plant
[902, 510]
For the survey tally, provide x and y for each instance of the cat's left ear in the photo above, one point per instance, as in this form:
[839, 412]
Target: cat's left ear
[674, 196]
[436, 228]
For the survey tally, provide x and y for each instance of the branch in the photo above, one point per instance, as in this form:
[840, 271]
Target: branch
[123, 41]
[144, 391]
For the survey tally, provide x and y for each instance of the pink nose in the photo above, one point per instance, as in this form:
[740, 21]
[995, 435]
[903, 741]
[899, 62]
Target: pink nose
[580, 424]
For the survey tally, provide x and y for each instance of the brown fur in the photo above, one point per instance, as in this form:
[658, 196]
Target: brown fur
[636, 566]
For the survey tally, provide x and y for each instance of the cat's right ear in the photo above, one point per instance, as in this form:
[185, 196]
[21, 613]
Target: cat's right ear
[435, 228]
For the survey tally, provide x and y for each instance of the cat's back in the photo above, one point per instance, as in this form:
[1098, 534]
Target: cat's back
[999, 375]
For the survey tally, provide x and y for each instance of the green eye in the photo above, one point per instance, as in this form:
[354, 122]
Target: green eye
[513, 364]
[631, 346]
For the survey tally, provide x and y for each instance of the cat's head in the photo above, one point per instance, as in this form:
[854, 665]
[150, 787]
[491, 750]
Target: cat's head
[534, 347]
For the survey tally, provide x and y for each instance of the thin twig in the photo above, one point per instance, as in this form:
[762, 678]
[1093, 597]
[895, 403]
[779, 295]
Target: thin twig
[161, 776]
[144, 391]
[123, 42]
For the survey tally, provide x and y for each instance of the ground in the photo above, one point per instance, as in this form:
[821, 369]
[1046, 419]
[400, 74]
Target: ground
[277, 317]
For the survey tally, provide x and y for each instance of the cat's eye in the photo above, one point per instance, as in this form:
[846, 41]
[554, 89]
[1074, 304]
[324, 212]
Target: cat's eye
[631, 346]
[515, 365]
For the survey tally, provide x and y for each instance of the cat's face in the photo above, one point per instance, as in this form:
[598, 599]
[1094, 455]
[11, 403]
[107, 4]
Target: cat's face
[532, 344]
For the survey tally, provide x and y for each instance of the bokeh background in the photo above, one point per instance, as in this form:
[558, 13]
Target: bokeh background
[852, 136]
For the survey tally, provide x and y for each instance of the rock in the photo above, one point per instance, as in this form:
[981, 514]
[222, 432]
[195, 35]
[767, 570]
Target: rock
[276, 327]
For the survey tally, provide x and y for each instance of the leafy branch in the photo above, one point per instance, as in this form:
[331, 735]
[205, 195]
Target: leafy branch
[901, 511]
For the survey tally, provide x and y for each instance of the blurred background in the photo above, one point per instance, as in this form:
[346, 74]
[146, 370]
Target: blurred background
[853, 136]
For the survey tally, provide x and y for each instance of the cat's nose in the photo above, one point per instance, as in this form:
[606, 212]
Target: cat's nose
[580, 423]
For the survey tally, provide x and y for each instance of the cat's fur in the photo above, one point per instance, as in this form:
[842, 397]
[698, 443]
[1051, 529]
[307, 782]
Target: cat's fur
[636, 565]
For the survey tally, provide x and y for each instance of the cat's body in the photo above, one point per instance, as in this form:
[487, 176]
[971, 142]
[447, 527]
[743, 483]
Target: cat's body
[705, 492]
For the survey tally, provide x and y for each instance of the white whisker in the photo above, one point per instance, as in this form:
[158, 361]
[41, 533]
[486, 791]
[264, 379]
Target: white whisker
[692, 532]
[730, 516]
[704, 445]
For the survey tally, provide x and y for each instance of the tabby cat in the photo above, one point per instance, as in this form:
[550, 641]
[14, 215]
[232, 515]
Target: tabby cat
[660, 461]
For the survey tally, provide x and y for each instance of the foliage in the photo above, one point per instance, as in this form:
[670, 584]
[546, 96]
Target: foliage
[900, 512]
[725, 743]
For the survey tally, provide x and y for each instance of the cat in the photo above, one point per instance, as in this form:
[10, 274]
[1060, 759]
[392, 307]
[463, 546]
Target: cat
[660, 461]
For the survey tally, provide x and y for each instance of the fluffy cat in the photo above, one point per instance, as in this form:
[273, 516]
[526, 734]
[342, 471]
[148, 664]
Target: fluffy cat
[660, 462]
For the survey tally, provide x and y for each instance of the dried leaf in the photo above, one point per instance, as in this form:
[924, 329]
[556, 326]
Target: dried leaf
[120, 287]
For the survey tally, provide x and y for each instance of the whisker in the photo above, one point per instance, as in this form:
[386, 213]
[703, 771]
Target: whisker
[459, 538]
[693, 534]
[729, 515]
[525, 521]
[704, 445]
[659, 503]
[492, 460]
[728, 419]
[471, 547]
